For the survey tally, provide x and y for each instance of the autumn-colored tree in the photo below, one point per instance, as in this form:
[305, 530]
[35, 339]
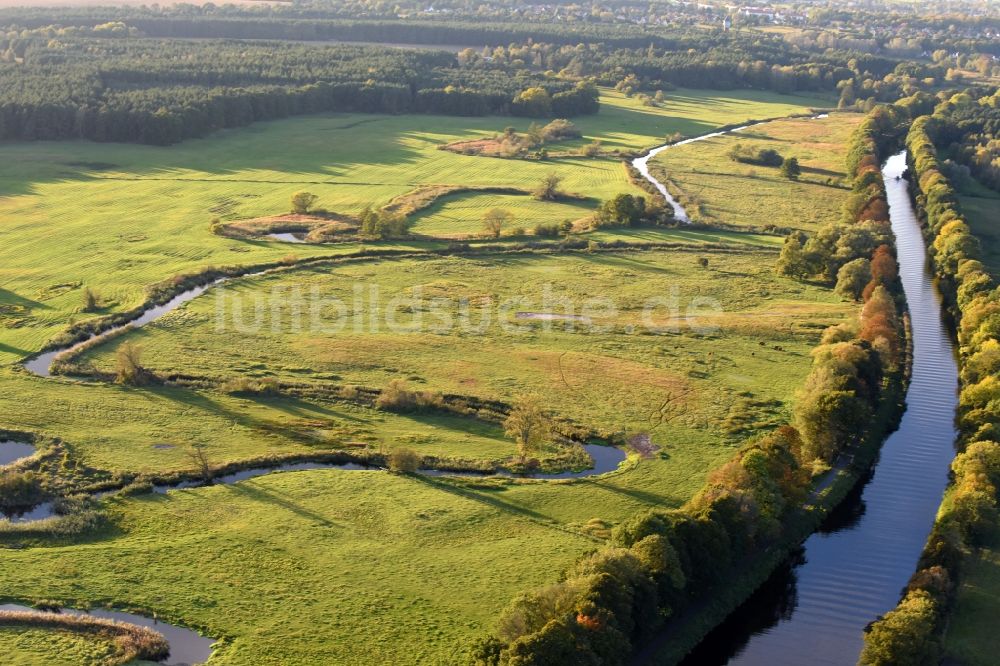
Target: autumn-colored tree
[852, 278]
[528, 425]
[129, 365]
[883, 265]
[548, 189]
[792, 261]
[302, 201]
[494, 220]
[904, 635]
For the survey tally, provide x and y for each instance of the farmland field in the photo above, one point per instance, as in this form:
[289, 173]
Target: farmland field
[384, 563]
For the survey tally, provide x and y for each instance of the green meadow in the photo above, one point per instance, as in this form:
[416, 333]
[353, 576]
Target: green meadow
[27, 646]
[716, 189]
[335, 566]
[971, 636]
[117, 218]
[981, 207]
[668, 329]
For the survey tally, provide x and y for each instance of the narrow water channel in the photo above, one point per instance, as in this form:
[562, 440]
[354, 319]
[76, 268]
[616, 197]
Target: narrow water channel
[187, 647]
[641, 164]
[852, 570]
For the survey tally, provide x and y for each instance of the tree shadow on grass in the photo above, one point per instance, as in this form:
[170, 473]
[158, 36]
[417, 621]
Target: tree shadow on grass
[301, 408]
[198, 400]
[17, 351]
[487, 498]
[641, 495]
[622, 261]
[254, 491]
[8, 297]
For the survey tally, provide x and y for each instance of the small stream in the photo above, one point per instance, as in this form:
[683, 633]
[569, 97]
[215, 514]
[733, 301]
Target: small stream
[814, 611]
[187, 647]
[41, 364]
[606, 459]
[641, 164]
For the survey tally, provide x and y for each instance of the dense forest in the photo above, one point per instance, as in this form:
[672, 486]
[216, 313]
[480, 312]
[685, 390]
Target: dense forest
[69, 75]
[967, 135]
[160, 92]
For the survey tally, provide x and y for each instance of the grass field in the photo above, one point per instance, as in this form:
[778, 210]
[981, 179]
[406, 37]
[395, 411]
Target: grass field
[332, 566]
[462, 214]
[717, 189]
[971, 636]
[613, 378]
[120, 217]
[389, 562]
[981, 206]
[24, 646]
[121, 429]
[324, 567]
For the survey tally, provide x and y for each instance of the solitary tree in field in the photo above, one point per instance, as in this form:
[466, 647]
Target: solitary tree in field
[527, 425]
[198, 455]
[495, 219]
[790, 168]
[548, 189]
[302, 202]
[129, 365]
[91, 300]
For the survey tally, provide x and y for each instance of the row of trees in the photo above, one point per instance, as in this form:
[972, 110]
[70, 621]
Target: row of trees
[910, 633]
[855, 252]
[971, 135]
[658, 563]
[903, 31]
[842, 393]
